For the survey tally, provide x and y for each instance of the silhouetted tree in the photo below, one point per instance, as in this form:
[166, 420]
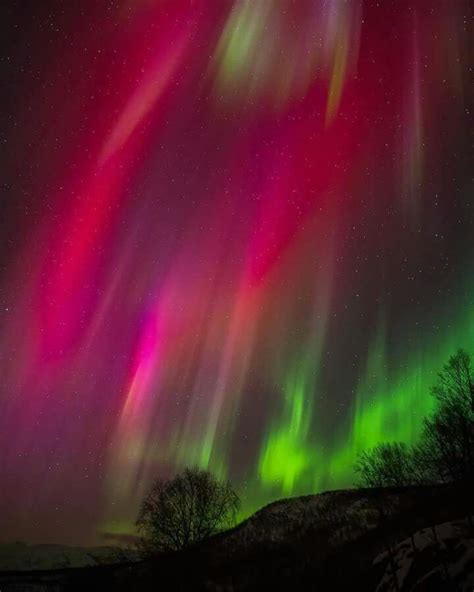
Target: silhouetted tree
[186, 509]
[386, 465]
[446, 449]
[447, 444]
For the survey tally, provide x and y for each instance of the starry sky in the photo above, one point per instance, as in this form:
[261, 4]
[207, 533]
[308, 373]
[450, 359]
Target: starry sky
[234, 234]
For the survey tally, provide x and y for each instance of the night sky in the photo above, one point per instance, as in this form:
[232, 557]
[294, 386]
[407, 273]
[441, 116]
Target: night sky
[234, 234]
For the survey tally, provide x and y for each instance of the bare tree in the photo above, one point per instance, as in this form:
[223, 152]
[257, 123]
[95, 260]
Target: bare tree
[447, 444]
[455, 386]
[186, 509]
[386, 465]
[446, 449]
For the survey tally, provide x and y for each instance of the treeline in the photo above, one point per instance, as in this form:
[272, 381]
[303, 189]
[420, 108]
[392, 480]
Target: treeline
[445, 450]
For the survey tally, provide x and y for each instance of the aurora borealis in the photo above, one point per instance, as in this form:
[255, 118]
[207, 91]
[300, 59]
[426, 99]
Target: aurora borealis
[235, 234]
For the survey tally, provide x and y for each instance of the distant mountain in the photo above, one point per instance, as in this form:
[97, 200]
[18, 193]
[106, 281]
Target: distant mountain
[25, 557]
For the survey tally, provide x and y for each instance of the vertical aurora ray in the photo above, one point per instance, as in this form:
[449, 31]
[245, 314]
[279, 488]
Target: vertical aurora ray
[75, 250]
[289, 454]
[246, 245]
[286, 455]
[412, 148]
[251, 64]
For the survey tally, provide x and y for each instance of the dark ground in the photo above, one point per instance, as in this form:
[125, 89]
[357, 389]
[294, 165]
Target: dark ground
[289, 545]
